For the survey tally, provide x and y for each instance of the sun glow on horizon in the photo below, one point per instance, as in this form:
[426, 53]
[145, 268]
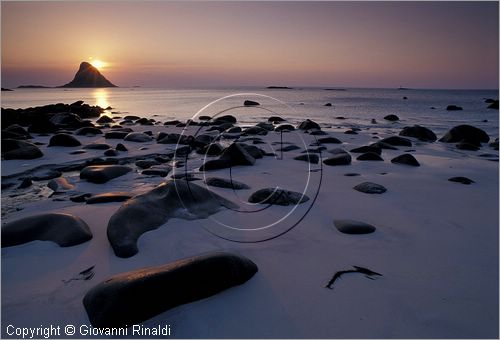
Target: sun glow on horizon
[98, 64]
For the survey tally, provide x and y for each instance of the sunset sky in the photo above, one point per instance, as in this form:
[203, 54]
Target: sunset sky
[207, 44]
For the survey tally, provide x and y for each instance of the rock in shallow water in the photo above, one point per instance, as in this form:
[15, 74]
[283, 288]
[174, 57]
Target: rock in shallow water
[179, 198]
[353, 227]
[277, 196]
[109, 197]
[130, 298]
[64, 229]
[461, 179]
[465, 133]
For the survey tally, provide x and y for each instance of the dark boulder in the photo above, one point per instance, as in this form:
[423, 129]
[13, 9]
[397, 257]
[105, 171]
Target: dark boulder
[406, 159]
[115, 134]
[460, 179]
[277, 196]
[250, 103]
[368, 148]
[66, 120]
[308, 157]
[453, 108]
[284, 127]
[63, 139]
[329, 140]
[396, 141]
[17, 149]
[172, 199]
[275, 119]
[421, 133]
[465, 133]
[493, 105]
[109, 197]
[225, 119]
[353, 227]
[64, 229]
[60, 184]
[97, 146]
[308, 125]
[370, 188]
[103, 173]
[369, 156]
[392, 118]
[130, 298]
[104, 119]
[340, 157]
[138, 137]
[88, 130]
[226, 183]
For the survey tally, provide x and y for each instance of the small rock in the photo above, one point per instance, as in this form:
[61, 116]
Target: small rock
[250, 103]
[369, 156]
[453, 108]
[308, 157]
[392, 118]
[370, 188]
[109, 197]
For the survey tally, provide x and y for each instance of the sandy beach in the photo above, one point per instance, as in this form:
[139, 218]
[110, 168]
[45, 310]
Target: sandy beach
[431, 242]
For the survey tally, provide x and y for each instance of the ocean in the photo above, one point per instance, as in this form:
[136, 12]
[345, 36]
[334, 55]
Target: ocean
[358, 106]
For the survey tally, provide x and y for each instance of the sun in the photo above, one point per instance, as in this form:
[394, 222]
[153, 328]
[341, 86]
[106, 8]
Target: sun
[98, 64]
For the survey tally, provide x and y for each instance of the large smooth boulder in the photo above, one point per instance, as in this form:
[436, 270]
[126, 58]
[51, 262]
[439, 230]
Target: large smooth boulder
[133, 297]
[66, 120]
[18, 149]
[277, 196]
[465, 133]
[178, 198]
[421, 133]
[63, 139]
[103, 173]
[64, 229]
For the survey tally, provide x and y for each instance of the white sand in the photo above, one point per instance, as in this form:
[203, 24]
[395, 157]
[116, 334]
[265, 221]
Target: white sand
[436, 246]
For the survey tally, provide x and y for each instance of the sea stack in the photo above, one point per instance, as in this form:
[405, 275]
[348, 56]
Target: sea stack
[89, 76]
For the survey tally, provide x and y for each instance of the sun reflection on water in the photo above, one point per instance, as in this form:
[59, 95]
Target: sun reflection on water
[101, 97]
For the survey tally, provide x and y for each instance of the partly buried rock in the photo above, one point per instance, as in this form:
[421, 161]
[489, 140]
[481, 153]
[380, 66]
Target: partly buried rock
[158, 170]
[64, 229]
[180, 199]
[226, 183]
[368, 148]
[353, 227]
[234, 154]
[18, 149]
[88, 130]
[460, 179]
[308, 157]
[453, 108]
[308, 125]
[133, 297]
[370, 188]
[340, 157]
[109, 197]
[421, 133]
[138, 137]
[103, 173]
[277, 196]
[250, 103]
[406, 159]
[396, 141]
[465, 133]
[63, 139]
